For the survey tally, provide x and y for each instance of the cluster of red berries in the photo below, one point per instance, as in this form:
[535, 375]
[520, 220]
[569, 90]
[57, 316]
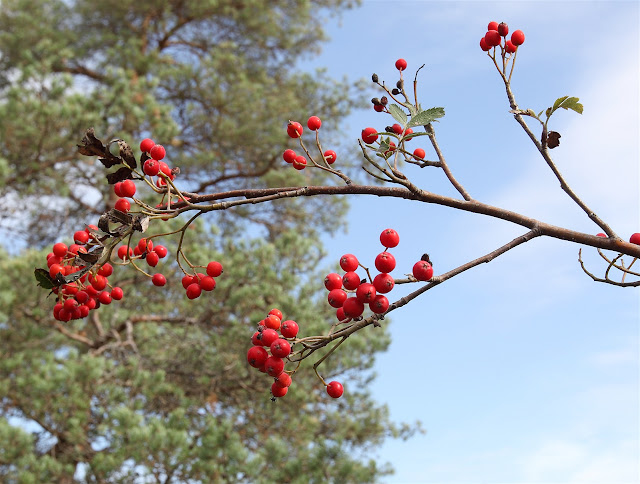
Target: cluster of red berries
[493, 38]
[294, 130]
[76, 299]
[271, 346]
[363, 291]
[370, 136]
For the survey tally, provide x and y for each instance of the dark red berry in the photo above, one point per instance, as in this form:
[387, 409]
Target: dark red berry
[289, 329]
[352, 307]
[635, 238]
[365, 293]
[280, 348]
[503, 29]
[379, 305]
[509, 47]
[274, 365]
[335, 389]
[278, 391]
[257, 356]
[492, 37]
[337, 297]
[483, 45]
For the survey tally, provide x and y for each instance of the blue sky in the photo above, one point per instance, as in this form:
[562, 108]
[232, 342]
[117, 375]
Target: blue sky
[521, 370]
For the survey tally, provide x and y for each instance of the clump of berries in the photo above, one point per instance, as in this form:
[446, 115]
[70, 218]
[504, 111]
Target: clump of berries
[153, 164]
[300, 162]
[496, 32]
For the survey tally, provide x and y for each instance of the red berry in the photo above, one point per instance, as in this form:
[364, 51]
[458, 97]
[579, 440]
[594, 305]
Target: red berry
[105, 270]
[385, 262]
[419, 154]
[407, 132]
[335, 389]
[193, 291]
[389, 238]
[517, 37]
[336, 298]
[81, 237]
[289, 329]
[151, 167]
[152, 259]
[158, 280]
[146, 144]
[333, 281]
[257, 356]
[365, 293]
[117, 189]
[369, 135]
[492, 37]
[122, 252]
[272, 321]
[104, 297]
[117, 293]
[59, 249]
[635, 238]
[379, 305]
[601, 235]
[314, 123]
[161, 250]
[164, 168]
[349, 262]
[276, 312]
[278, 391]
[503, 29]
[128, 188]
[70, 305]
[274, 365]
[283, 379]
[289, 156]
[401, 64]
[255, 339]
[351, 280]
[509, 47]
[187, 280]
[268, 336]
[340, 315]
[483, 45]
[352, 307]
[280, 348]
[378, 107]
[157, 152]
[493, 26]
[82, 297]
[294, 129]
[383, 283]
[123, 205]
[214, 268]
[422, 270]
[397, 129]
[299, 162]
[208, 283]
[330, 156]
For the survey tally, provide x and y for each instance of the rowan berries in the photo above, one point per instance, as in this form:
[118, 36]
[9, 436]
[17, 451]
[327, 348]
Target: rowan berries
[157, 152]
[151, 167]
[299, 162]
[289, 156]
[422, 270]
[314, 123]
[294, 129]
[369, 135]
[419, 154]
[214, 268]
[330, 156]
[349, 262]
[128, 188]
[257, 356]
[158, 280]
[389, 238]
[122, 205]
[383, 283]
[493, 26]
[335, 389]
[385, 262]
[503, 29]
[492, 38]
[333, 281]
[289, 329]
[401, 64]
[146, 145]
[517, 37]
[379, 304]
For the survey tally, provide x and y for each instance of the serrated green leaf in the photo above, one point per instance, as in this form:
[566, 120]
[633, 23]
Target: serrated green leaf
[566, 102]
[398, 114]
[425, 117]
[413, 135]
[44, 279]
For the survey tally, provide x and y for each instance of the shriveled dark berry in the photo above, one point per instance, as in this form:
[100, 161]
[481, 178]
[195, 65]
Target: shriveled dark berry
[376, 101]
[384, 100]
[374, 77]
[395, 91]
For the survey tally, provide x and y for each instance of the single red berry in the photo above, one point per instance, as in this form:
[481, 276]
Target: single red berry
[123, 205]
[419, 154]
[492, 26]
[98, 282]
[57, 260]
[81, 237]
[208, 283]
[509, 47]
[483, 45]
[276, 312]
[161, 250]
[389, 238]
[152, 259]
[379, 305]
[335, 389]
[272, 321]
[70, 305]
[105, 270]
[407, 132]
[268, 336]
[378, 107]
[274, 365]
[82, 296]
[187, 280]
[164, 168]
[151, 167]
[294, 129]
[283, 379]
[330, 156]
[352, 307]
[146, 144]
[503, 29]
[492, 37]
[601, 235]
[289, 156]
[635, 238]
[397, 129]
[422, 270]
[299, 162]
[158, 280]
[117, 189]
[280, 348]
[193, 291]
[336, 298]
[314, 123]
[349, 262]
[517, 37]
[157, 152]
[369, 135]
[392, 148]
[383, 283]
[401, 64]
[333, 281]
[59, 249]
[278, 391]
[257, 356]
[104, 297]
[256, 338]
[122, 252]
[117, 293]
[64, 315]
[214, 268]
[385, 262]
[289, 329]
[365, 293]
[128, 188]
[351, 280]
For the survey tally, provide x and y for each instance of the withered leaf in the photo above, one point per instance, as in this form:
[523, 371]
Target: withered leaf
[91, 146]
[90, 257]
[44, 279]
[119, 175]
[126, 153]
[553, 139]
[141, 223]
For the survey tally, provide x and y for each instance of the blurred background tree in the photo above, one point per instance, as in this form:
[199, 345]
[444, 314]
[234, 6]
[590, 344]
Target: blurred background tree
[155, 388]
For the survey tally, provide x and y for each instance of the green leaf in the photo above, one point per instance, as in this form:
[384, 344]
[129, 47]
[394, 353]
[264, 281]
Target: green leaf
[44, 279]
[425, 117]
[566, 102]
[398, 114]
[413, 135]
